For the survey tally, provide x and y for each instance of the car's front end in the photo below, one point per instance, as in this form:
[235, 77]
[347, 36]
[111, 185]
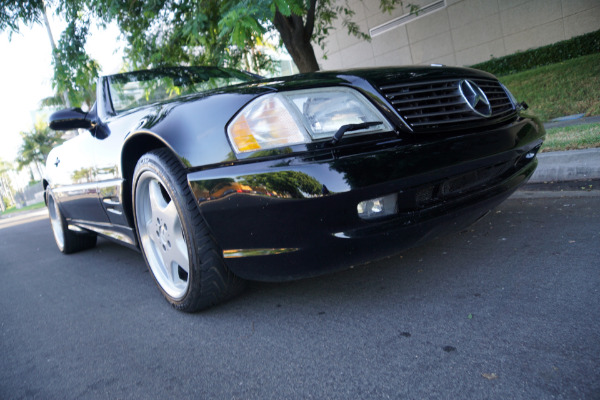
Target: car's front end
[218, 176]
[337, 169]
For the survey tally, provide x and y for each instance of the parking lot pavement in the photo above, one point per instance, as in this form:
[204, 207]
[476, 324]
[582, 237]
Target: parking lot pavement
[505, 309]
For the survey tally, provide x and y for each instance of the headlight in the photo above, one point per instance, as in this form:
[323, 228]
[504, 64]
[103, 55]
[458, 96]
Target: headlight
[288, 118]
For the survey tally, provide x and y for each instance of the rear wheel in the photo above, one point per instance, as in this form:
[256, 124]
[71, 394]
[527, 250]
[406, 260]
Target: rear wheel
[67, 240]
[181, 254]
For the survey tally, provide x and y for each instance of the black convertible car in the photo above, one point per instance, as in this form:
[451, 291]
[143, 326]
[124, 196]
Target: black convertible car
[220, 176]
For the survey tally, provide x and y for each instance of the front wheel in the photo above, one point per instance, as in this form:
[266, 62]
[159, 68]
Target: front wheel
[181, 254]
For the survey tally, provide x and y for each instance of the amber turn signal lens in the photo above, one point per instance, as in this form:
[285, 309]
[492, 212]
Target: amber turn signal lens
[242, 136]
[265, 123]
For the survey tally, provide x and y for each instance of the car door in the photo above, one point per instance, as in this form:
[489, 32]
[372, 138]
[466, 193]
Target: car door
[73, 179]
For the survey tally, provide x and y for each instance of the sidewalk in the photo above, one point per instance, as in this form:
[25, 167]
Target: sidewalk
[571, 120]
[19, 215]
[569, 165]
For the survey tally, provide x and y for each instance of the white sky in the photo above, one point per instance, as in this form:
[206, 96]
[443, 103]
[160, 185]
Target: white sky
[26, 72]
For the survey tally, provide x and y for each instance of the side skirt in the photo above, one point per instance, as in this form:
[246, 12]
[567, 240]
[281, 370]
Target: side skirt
[121, 234]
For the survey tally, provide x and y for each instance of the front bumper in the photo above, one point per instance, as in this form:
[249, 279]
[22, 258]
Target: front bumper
[296, 216]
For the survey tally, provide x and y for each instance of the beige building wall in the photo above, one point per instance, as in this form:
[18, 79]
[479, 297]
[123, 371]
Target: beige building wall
[458, 32]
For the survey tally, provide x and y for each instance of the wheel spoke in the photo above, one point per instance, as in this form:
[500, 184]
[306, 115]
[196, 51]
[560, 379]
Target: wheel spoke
[179, 255]
[176, 248]
[157, 201]
[166, 263]
[151, 231]
[169, 216]
[157, 257]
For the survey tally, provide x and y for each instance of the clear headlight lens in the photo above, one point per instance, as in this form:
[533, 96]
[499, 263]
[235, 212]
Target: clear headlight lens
[288, 118]
[326, 110]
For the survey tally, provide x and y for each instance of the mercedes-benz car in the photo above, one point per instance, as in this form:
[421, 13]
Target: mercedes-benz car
[220, 176]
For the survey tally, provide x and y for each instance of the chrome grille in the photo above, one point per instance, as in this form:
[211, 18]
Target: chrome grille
[439, 105]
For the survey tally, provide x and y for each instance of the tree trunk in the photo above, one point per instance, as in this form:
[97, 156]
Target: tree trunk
[39, 170]
[2, 190]
[296, 36]
[303, 55]
[8, 191]
[53, 44]
[5, 192]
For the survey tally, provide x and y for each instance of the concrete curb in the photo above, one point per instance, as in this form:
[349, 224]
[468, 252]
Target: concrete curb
[17, 216]
[566, 121]
[523, 193]
[570, 165]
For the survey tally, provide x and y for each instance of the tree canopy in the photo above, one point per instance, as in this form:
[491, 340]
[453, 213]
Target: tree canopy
[16, 12]
[196, 32]
[37, 144]
[299, 23]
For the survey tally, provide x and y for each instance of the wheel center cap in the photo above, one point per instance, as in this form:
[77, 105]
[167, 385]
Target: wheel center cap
[163, 234]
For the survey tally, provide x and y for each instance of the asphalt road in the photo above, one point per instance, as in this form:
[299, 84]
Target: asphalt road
[508, 309]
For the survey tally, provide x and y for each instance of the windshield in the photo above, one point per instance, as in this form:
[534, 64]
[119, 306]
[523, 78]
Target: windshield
[135, 89]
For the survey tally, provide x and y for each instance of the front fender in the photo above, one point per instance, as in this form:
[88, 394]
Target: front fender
[195, 129]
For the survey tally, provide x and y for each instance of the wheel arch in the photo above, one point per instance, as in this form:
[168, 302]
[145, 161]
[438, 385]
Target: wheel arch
[134, 148]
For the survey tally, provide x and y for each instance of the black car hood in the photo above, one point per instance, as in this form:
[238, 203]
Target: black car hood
[376, 76]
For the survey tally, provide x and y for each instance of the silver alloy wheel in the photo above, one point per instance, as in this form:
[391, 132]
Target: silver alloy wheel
[56, 222]
[161, 235]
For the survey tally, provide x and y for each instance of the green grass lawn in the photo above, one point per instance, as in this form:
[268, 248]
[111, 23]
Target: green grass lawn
[557, 90]
[566, 88]
[572, 137]
[31, 207]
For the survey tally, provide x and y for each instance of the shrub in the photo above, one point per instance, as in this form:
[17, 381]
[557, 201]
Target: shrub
[545, 55]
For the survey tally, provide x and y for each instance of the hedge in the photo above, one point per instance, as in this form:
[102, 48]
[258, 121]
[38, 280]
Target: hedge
[553, 53]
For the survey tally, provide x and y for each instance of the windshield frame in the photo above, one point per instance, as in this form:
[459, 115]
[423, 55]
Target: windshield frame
[216, 77]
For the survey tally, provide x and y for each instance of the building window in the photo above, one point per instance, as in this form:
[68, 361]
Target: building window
[427, 9]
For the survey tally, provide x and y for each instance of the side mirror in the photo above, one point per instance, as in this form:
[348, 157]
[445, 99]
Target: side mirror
[72, 118]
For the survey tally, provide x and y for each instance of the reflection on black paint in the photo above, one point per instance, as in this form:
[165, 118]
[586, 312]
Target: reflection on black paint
[284, 184]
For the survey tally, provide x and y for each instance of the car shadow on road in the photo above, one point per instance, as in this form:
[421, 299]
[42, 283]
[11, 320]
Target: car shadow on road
[424, 273]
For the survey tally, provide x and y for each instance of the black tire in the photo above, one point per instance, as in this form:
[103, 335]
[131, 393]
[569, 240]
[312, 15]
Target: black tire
[170, 228]
[67, 240]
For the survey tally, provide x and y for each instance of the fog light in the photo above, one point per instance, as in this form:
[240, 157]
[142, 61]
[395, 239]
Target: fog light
[377, 207]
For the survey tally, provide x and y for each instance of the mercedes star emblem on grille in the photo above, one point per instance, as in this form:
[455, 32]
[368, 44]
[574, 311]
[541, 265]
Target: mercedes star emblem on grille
[475, 98]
